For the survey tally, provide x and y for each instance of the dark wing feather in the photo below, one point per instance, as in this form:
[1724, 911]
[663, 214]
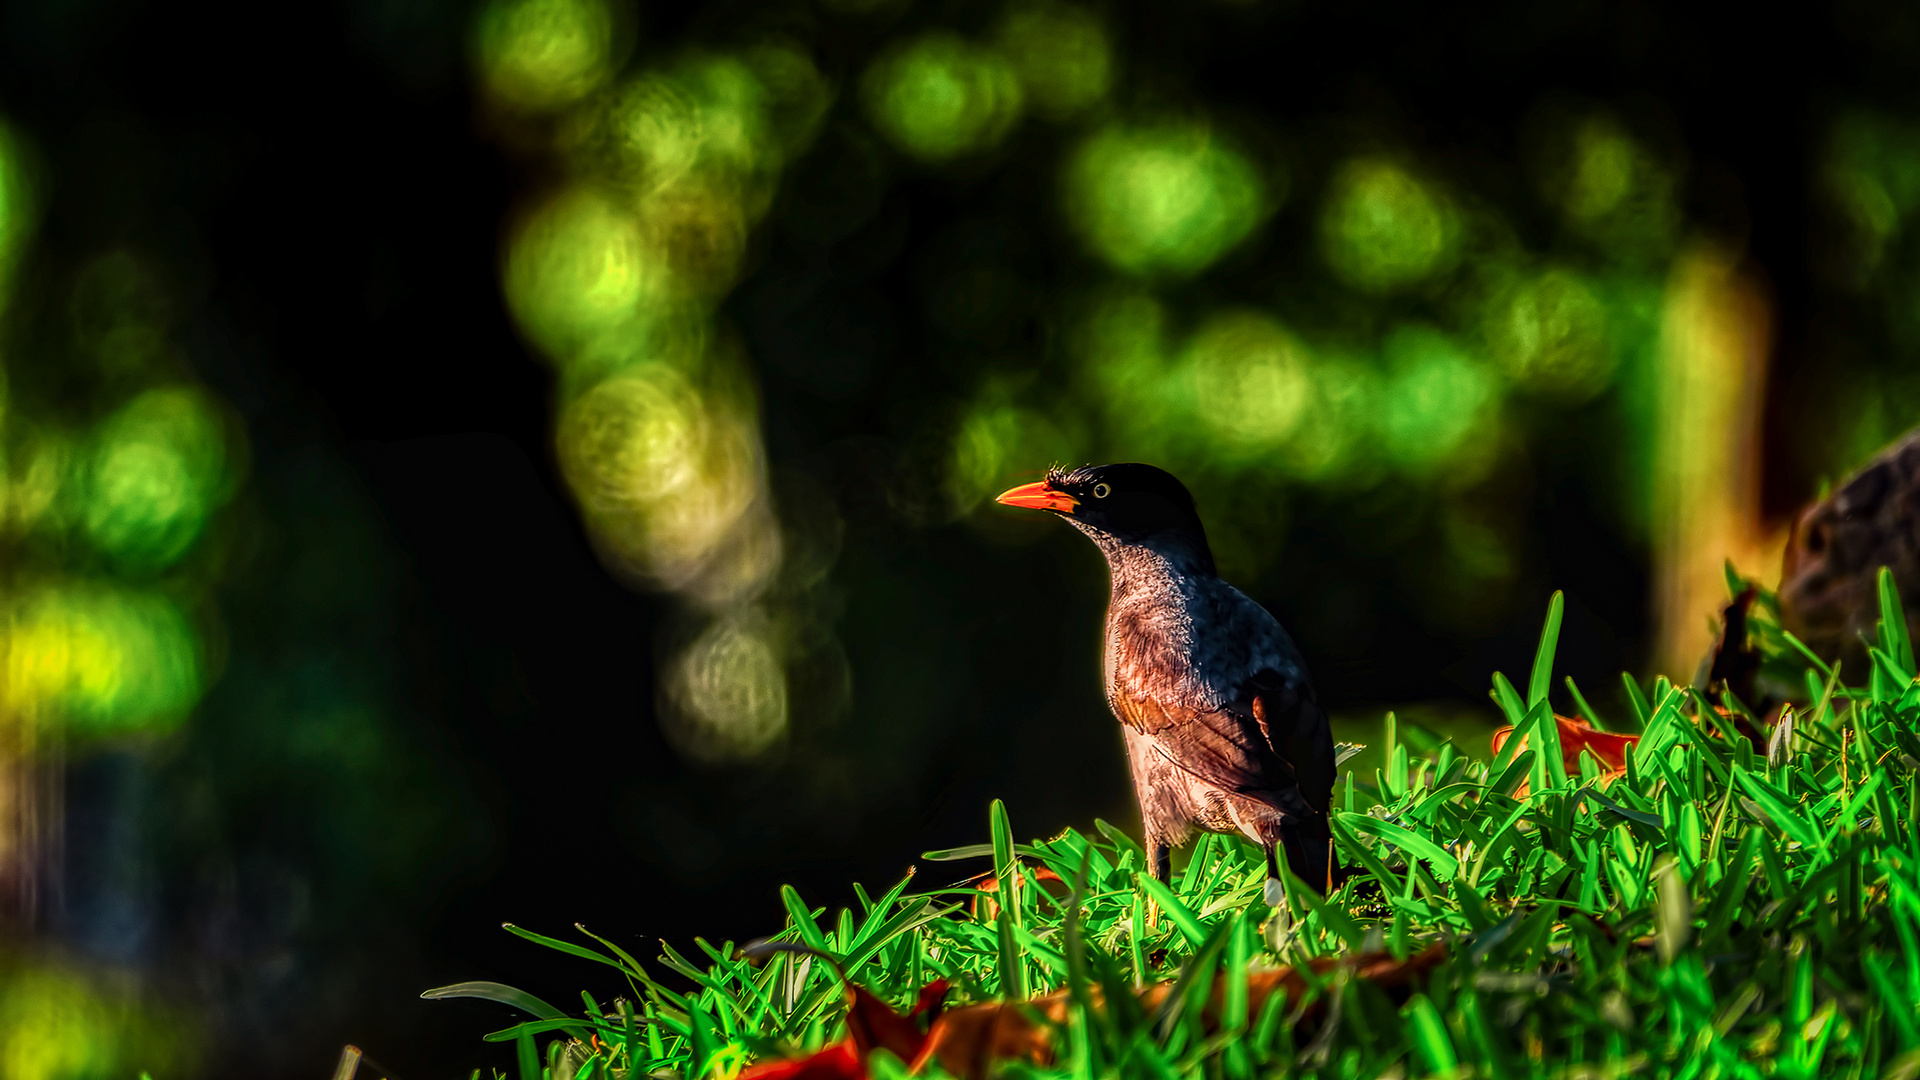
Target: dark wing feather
[1296, 728]
[1224, 748]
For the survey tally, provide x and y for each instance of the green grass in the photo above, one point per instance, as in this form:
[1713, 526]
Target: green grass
[1721, 911]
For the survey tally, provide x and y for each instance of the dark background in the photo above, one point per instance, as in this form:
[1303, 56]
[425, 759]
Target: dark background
[436, 706]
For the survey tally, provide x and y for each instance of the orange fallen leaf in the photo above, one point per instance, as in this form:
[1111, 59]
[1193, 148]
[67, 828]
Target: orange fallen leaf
[836, 1061]
[871, 1025]
[986, 902]
[1608, 749]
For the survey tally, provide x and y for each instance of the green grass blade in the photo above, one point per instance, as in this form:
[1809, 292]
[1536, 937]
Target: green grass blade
[1508, 699]
[1352, 846]
[1183, 917]
[917, 913]
[1780, 809]
[1336, 920]
[1196, 972]
[1472, 904]
[1012, 967]
[1550, 767]
[1892, 632]
[974, 851]
[528, 1057]
[1517, 769]
[563, 946]
[626, 957]
[497, 992]
[1586, 710]
[1637, 701]
[1006, 871]
[536, 1027]
[1122, 843]
[700, 1034]
[802, 917]
[1807, 653]
[1428, 1032]
[1233, 997]
[1411, 843]
[1673, 909]
[1542, 678]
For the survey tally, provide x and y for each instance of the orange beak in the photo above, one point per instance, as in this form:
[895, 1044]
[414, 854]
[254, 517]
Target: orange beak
[1039, 496]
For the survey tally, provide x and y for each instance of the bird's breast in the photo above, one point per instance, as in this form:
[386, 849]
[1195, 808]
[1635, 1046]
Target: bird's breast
[1194, 644]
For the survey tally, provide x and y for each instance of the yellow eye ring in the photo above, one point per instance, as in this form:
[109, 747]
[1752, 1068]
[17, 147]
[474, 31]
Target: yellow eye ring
[1101, 491]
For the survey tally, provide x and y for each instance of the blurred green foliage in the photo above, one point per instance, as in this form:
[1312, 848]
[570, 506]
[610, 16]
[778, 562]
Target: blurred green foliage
[615, 276]
[159, 468]
[1384, 229]
[939, 96]
[538, 54]
[1062, 54]
[102, 659]
[61, 1023]
[148, 578]
[1162, 198]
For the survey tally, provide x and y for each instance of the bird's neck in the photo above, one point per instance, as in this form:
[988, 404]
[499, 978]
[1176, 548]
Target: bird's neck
[1153, 570]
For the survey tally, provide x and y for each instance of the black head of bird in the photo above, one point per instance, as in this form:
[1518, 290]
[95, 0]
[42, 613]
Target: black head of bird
[1223, 732]
[1124, 509]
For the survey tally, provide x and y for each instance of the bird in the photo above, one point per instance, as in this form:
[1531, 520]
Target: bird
[1830, 574]
[1222, 727]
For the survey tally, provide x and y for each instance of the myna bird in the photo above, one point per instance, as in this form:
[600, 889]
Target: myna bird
[1223, 732]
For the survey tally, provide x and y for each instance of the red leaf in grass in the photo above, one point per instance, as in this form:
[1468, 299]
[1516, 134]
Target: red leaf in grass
[871, 1025]
[986, 905]
[1608, 749]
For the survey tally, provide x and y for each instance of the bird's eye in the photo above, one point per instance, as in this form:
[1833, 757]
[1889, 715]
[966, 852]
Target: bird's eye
[1101, 491]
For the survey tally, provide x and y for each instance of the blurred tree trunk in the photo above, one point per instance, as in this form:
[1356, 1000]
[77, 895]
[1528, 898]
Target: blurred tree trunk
[1716, 329]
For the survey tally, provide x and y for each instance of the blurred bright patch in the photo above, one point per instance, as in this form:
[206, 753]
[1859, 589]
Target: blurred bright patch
[1548, 332]
[1384, 229]
[1438, 402]
[727, 693]
[718, 121]
[1871, 181]
[578, 270]
[1251, 381]
[60, 1024]
[1614, 190]
[699, 145]
[615, 277]
[940, 96]
[100, 659]
[1001, 443]
[1163, 198]
[1244, 395]
[1337, 443]
[666, 473]
[1062, 53]
[160, 467]
[538, 54]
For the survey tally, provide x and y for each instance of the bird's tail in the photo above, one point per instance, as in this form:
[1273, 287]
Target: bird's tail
[1309, 845]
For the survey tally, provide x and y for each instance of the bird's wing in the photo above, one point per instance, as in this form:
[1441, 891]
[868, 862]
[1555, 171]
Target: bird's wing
[1224, 748]
[1296, 728]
